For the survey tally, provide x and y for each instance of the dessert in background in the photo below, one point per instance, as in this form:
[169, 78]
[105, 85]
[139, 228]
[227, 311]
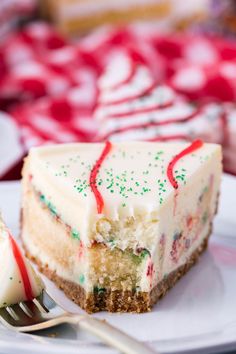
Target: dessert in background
[19, 282]
[220, 19]
[49, 83]
[133, 105]
[75, 16]
[122, 222]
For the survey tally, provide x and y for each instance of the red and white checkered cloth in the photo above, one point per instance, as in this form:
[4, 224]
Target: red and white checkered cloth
[12, 11]
[49, 84]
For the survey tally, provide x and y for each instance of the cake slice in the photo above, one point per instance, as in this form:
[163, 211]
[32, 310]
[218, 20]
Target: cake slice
[73, 16]
[115, 225]
[18, 280]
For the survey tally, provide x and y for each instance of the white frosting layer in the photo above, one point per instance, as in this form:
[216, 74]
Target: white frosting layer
[127, 180]
[117, 72]
[207, 124]
[140, 82]
[160, 96]
[179, 111]
[12, 289]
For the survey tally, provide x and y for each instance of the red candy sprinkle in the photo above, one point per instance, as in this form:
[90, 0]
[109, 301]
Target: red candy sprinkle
[150, 270]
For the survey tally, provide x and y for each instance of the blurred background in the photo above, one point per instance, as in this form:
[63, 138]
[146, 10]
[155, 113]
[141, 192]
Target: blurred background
[52, 53]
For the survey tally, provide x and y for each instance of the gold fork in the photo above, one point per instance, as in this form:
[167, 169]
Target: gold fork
[43, 312]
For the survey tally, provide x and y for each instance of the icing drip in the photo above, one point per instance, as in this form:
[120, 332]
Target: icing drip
[22, 268]
[93, 177]
[191, 148]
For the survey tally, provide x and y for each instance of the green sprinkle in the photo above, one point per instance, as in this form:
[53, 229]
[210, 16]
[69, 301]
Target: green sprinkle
[75, 234]
[49, 204]
[205, 217]
[42, 198]
[144, 253]
[81, 279]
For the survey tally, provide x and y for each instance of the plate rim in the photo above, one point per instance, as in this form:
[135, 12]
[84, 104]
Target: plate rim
[202, 343]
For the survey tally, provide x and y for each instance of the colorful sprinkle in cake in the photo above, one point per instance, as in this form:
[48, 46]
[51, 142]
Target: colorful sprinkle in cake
[115, 225]
[18, 280]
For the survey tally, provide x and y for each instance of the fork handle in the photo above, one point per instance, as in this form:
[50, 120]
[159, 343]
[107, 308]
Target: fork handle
[113, 336]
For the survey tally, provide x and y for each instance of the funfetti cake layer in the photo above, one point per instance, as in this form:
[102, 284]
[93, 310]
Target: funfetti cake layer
[116, 224]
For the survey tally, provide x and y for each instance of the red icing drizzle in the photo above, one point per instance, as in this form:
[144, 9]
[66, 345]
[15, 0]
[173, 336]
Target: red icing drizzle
[194, 146]
[150, 269]
[93, 176]
[145, 91]
[154, 124]
[22, 268]
[129, 77]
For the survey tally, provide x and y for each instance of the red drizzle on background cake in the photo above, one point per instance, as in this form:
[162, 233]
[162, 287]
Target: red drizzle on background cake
[191, 148]
[143, 92]
[148, 124]
[142, 110]
[127, 79]
[93, 177]
[22, 268]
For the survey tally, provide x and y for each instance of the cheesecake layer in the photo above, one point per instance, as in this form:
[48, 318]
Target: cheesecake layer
[118, 300]
[115, 219]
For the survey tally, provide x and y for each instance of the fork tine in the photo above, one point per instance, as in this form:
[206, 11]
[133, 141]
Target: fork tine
[23, 318]
[47, 301]
[6, 318]
[14, 317]
[31, 309]
[40, 305]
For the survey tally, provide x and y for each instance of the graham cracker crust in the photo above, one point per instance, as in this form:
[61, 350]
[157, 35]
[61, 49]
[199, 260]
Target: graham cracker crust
[118, 300]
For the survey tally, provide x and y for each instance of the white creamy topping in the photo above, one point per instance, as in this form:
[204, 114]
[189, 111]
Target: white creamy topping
[160, 96]
[140, 82]
[117, 72]
[179, 111]
[206, 124]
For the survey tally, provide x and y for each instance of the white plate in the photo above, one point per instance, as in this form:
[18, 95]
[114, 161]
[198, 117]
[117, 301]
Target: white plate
[197, 315]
